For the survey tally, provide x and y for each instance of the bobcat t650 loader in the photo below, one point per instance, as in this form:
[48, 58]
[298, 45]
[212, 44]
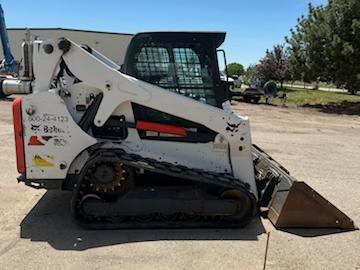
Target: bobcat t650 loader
[153, 143]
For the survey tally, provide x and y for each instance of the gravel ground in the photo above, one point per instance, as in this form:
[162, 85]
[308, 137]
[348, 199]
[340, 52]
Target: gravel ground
[36, 231]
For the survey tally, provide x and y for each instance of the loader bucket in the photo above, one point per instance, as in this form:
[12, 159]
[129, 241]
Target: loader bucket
[291, 203]
[303, 207]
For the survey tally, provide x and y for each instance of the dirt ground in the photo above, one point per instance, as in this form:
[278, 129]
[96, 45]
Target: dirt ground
[36, 231]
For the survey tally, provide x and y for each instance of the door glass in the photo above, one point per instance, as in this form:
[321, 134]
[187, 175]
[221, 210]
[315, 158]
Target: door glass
[184, 70]
[153, 66]
[193, 77]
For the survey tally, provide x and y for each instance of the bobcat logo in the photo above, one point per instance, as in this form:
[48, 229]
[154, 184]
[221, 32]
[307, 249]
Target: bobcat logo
[232, 127]
[35, 127]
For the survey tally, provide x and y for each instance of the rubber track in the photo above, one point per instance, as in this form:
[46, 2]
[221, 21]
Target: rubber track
[221, 180]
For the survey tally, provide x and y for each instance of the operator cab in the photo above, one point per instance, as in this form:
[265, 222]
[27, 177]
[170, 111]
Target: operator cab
[183, 62]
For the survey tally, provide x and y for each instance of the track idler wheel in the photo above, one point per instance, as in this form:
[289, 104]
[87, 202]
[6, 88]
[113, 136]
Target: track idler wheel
[245, 204]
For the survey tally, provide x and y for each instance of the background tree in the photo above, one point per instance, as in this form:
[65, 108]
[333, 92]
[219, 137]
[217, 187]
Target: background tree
[307, 43]
[274, 66]
[343, 43]
[235, 69]
[325, 45]
[249, 74]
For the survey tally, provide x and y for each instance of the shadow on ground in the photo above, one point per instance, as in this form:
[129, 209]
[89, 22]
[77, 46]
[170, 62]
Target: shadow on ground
[237, 101]
[50, 221]
[345, 107]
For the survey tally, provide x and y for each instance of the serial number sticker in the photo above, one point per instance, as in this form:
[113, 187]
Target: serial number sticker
[46, 117]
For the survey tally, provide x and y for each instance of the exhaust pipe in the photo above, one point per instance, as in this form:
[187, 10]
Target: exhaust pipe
[14, 86]
[22, 83]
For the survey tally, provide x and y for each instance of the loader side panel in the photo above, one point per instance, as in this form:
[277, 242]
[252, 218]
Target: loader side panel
[154, 134]
[51, 137]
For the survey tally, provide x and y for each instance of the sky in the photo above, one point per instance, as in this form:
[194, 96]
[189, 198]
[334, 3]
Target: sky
[251, 26]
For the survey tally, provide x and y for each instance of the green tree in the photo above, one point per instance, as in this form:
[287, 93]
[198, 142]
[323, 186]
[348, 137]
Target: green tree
[343, 43]
[249, 74]
[325, 45]
[235, 69]
[306, 46]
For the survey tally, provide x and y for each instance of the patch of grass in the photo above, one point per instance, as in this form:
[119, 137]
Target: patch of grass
[300, 84]
[302, 97]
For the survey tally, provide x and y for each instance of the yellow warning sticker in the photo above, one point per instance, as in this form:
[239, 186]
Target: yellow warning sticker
[40, 161]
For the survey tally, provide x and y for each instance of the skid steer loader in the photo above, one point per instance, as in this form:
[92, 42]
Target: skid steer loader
[153, 143]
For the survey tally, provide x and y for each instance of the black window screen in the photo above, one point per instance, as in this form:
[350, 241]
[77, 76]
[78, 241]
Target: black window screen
[193, 77]
[153, 65]
[181, 69]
